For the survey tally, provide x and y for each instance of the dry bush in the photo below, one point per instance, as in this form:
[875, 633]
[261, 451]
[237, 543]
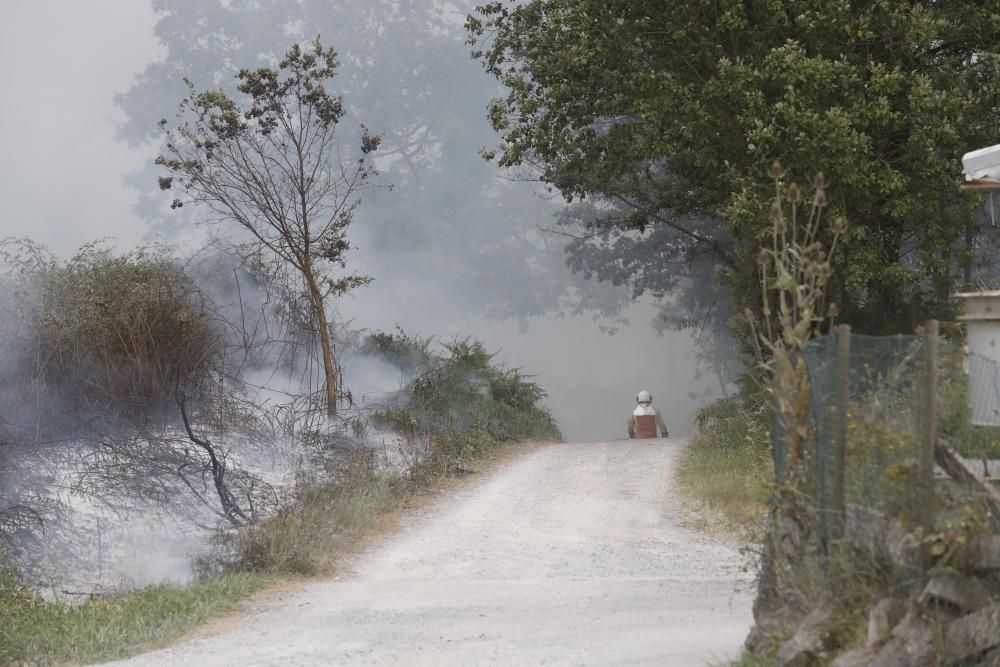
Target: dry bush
[104, 334]
[87, 346]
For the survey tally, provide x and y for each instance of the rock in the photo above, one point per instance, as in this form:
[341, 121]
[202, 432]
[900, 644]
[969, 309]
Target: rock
[966, 593]
[991, 659]
[884, 538]
[892, 654]
[981, 553]
[793, 654]
[886, 613]
[973, 634]
[917, 635]
[856, 657]
[809, 641]
[911, 643]
[762, 637]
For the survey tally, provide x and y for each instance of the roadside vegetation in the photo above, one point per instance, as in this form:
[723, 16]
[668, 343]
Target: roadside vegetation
[459, 410]
[727, 469]
[461, 405]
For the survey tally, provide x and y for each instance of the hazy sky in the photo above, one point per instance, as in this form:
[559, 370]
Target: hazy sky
[61, 183]
[61, 171]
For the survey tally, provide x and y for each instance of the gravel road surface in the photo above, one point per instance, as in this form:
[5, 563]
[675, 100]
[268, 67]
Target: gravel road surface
[572, 554]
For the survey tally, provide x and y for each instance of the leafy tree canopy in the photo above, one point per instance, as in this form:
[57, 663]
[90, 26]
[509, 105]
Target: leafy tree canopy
[669, 114]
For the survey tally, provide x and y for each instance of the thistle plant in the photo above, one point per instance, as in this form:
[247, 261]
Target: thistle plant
[795, 273]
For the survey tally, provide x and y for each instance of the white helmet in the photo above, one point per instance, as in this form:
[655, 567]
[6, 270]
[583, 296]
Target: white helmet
[644, 397]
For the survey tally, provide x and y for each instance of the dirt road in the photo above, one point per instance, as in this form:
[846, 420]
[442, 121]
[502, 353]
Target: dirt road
[570, 555]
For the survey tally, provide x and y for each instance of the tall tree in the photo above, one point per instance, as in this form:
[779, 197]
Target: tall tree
[671, 112]
[273, 166]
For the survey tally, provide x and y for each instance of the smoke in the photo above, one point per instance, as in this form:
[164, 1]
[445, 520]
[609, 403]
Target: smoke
[454, 248]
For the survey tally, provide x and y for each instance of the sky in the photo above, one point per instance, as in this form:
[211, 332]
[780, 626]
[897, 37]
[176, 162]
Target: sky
[61, 63]
[62, 184]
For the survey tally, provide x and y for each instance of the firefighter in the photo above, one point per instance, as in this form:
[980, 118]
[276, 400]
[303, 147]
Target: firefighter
[645, 419]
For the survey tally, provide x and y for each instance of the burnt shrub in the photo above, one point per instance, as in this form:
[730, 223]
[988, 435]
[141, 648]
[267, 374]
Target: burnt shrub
[101, 334]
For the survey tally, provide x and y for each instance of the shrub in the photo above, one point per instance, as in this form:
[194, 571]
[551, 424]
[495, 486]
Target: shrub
[462, 402]
[107, 334]
[408, 353]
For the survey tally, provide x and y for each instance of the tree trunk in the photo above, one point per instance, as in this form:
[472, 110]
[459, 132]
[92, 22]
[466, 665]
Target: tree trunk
[329, 367]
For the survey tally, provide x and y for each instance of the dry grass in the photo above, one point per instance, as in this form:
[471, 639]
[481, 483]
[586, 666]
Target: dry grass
[727, 489]
[321, 523]
[726, 473]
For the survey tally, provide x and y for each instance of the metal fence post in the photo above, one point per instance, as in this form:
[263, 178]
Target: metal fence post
[928, 431]
[839, 453]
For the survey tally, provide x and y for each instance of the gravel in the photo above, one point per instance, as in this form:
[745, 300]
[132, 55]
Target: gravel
[573, 554]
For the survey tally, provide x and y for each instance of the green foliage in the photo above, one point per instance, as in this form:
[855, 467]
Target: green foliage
[117, 334]
[306, 71]
[460, 400]
[33, 631]
[408, 353]
[736, 422]
[673, 110]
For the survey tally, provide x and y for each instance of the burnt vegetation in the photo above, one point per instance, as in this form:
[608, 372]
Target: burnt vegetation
[144, 383]
[101, 352]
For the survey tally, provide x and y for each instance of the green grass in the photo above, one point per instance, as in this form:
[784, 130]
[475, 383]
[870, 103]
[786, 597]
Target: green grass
[727, 466]
[33, 631]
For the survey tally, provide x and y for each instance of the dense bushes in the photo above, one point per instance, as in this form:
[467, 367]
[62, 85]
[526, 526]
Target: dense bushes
[89, 348]
[459, 400]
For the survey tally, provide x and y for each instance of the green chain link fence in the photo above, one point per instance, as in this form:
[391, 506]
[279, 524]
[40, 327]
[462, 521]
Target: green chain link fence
[880, 410]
